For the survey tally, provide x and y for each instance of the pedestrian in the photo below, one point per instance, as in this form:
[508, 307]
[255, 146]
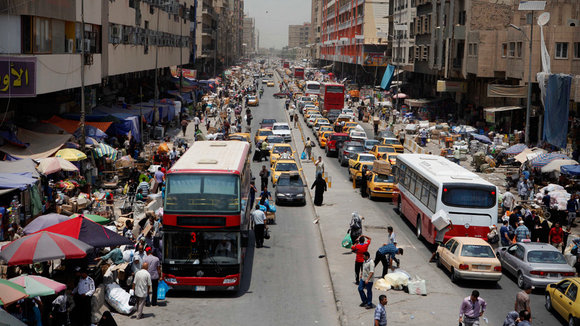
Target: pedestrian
[291, 113]
[457, 155]
[439, 238]
[525, 318]
[60, 306]
[572, 208]
[141, 288]
[359, 249]
[196, 123]
[154, 269]
[308, 148]
[184, 124]
[83, 293]
[555, 236]
[522, 232]
[355, 227]
[380, 318]
[319, 166]
[508, 201]
[546, 200]
[366, 282]
[472, 307]
[505, 235]
[523, 189]
[363, 181]
[258, 217]
[264, 174]
[320, 185]
[385, 256]
[523, 299]
[511, 319]
[392, 239]
[253, 192]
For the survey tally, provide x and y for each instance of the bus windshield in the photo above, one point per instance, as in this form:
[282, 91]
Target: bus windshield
[334, 89]
[201, 247]
[202, 193]
[472, 197]
[313, 86]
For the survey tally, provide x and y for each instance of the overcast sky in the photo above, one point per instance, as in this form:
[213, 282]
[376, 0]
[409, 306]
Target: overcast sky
[274, 16]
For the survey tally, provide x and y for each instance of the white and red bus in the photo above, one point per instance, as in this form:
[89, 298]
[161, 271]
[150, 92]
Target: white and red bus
[333, 96]
[429, 183]
[206, 217]
[312, 88]
[299, 72]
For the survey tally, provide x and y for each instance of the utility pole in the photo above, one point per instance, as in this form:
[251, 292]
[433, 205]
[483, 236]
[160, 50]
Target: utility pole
[529, 100]
[181, 58]
[215, 52]
[141, 113]
[156, 97]
[83, 110]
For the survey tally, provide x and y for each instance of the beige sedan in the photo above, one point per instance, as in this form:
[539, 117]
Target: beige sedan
[470, 259]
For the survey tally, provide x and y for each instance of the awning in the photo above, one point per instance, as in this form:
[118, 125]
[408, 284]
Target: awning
[502, 108]
[41, 145]
[72, 125]
[16, 180]
[421, 102]
[510, 91]
[20, 166]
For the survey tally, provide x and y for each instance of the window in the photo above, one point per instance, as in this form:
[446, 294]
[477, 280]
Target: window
[562, 50]
[477, 251]
[512, 50]
[546, 257]
[198, 248]
[504, 50]
[519, 49]
[470, 51]
[473, 197]
[449, 244]
[572, 292]
[42, 35]
[562, 286]
[576, 50]
[189, 193]
[454, 247]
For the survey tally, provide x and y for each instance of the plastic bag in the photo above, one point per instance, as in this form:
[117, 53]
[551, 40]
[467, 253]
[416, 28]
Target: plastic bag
[303, 156]
[162, 289]
[347, 241]
[417, 287]
[118, 299]
[263, 208]
[272, 208]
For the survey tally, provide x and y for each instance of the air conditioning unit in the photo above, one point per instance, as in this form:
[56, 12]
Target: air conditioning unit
[115, 31]
[87, 47]
[573, 22]
[70, 44]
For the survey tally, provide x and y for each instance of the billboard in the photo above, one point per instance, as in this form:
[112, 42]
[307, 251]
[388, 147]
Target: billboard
[375, 59]
[17, 76]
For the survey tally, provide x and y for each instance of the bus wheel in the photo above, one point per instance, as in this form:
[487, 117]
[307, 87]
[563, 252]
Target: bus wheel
[419, 227]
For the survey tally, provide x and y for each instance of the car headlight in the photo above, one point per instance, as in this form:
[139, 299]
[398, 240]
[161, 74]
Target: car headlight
[300, 195]
[170, 280]
[230, 280]
[281, 195]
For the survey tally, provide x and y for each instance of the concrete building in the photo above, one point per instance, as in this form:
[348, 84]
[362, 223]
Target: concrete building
[315, 30]
[298, 35]
[249, 36]
[402, 43]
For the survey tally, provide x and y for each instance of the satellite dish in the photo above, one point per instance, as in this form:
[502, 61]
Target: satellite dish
[544, 19]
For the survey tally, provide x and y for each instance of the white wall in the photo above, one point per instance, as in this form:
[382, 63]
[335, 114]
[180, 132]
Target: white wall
[10, 34]
[92, 10]
[57, 72]
[126, 58]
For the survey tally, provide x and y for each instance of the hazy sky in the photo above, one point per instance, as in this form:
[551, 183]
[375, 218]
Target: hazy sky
[274, 16]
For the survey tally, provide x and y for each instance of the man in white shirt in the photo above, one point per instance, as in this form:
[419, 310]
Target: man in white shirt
[259, 219]
[83, 293]
[196, 123]
[319, 166]
[141, 288]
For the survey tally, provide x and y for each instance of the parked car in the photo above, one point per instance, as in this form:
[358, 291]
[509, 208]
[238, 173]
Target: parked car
[534, 263]
[282, 129]
[267, 123]
[335, 142]
[347, 149]
[468, 258]
[562, 297]
[290, 189]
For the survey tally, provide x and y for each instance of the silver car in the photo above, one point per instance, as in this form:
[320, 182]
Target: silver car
[534, 263]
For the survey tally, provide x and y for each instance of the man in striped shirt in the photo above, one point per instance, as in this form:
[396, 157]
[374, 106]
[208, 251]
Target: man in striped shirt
[380, 318]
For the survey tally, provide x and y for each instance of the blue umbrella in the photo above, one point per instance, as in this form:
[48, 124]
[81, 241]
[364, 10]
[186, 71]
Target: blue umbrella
[105, 150]
[543, 159]
[91, 131]
[516, 149]
[482, 138]
[573, 170]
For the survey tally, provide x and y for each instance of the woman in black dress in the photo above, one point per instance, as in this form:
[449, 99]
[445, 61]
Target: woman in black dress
[320, 185]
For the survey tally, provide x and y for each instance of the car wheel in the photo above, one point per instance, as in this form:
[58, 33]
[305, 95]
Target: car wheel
[370, 194]
[521, 280]
[548, 302]
[277, 202]
[419, 227]
[438, 260]
[454, 277]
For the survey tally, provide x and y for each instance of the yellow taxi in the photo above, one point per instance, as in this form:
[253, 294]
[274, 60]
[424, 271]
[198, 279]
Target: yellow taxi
[323, 137]
[381, 151]
[395, 143]
[310, 112]
[261, 135]
[348, 124]
[270, 83]
[360, 157]
[355, 171]
[319, 122]
[240, 136]
[253, 100]
[325, 128]
[277, 151]
[381, 186]
[562, 297]
[347, 130]
[468, 258]
[283, 166]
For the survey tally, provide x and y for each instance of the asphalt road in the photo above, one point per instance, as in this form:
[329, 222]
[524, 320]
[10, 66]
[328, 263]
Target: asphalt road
[284, 283]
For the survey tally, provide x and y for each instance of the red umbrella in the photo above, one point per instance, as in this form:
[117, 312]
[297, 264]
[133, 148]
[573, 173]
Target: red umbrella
[43, 246]
[89, 232]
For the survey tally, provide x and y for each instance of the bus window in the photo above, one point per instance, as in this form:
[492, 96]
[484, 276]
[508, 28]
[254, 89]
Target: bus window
[194, 193]
[465, 196]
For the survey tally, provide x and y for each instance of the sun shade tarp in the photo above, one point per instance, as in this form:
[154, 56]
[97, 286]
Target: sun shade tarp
[72, 125]
[20, 166]
[556, 110]
[41, 145]
[573, 170]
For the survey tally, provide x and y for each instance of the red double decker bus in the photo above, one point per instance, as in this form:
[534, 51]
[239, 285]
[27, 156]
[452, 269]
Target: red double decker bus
[206, 217]
[333, 96]
[299, 72]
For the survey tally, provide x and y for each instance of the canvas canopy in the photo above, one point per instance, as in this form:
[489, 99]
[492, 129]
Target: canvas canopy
[41, 145]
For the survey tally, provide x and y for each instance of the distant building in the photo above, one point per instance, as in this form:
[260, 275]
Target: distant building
[249, 36]
[298, 35]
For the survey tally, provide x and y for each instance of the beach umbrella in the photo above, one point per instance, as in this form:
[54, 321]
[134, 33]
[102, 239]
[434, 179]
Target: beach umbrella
[51, 165]
[37, 285]
[554, 166]
[43, 246]
[89, 232]
[482, 138]
[44, 221]
[400, 95]
[9, 320]
[95, 218]
[543, 159]
[101, 150]
[71, 154]
[10, 292]
[516, 149]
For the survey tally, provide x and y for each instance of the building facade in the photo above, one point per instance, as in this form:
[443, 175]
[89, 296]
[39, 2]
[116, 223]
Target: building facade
[315, 30]
[249, 37]
[298, 35]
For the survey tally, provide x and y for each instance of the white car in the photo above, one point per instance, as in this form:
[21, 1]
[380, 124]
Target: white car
[348, 111]
[357, 135]
[282, 129]
[312, 118]
[320, 124]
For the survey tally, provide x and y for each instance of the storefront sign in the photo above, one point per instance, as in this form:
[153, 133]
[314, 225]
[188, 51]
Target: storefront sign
[375, 59]
[451, 86]
[187, 73]
[17, 77]
[490, 117]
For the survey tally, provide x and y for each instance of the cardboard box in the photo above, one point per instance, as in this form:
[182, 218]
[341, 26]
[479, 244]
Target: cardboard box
[382, 167]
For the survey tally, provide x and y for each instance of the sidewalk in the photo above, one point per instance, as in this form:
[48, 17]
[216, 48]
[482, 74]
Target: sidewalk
[333, 220]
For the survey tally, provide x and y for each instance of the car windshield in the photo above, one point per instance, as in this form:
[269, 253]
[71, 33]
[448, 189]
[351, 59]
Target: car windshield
[392, 142]
[275, 140]
[479, 196]
[251, 98]
[358, 134]
[386, 150]
[325, 128]
[352, 148]
[371, 142]
[339, 137]
[477, 251]
[546, 257]
[281, 149]
[384, 178]
[269, 121]
[283, 167]
[291, 181]
[366, 158]
[281, 127]
[266, 132]
[201, 247]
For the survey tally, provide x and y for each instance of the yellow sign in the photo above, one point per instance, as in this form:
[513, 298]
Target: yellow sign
[451, 86]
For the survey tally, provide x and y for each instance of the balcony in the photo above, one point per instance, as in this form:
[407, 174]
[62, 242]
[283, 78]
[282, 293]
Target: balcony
[359, 20]
[344, 9]
[207, 31]
[208, 11]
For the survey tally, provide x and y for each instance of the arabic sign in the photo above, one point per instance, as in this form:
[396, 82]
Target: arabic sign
[375, 59]
[17, 77]
[187, 73]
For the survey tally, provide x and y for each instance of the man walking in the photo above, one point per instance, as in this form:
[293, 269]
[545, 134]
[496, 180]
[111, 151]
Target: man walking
[154, 270]
[523, 299]
[392, 240]
[472, 307]
[141, 288]
[380, 312]
[258, 218]
[522, 232]
[319, 166]
[83, 293]
[387, 250]
[359, 249]
[264, 174]
[366, 282]
[308, 147]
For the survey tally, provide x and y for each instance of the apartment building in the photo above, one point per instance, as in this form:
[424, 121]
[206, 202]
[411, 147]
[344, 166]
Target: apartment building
[403, 15]
[315, 30]
[298, 35]
[249, 37]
